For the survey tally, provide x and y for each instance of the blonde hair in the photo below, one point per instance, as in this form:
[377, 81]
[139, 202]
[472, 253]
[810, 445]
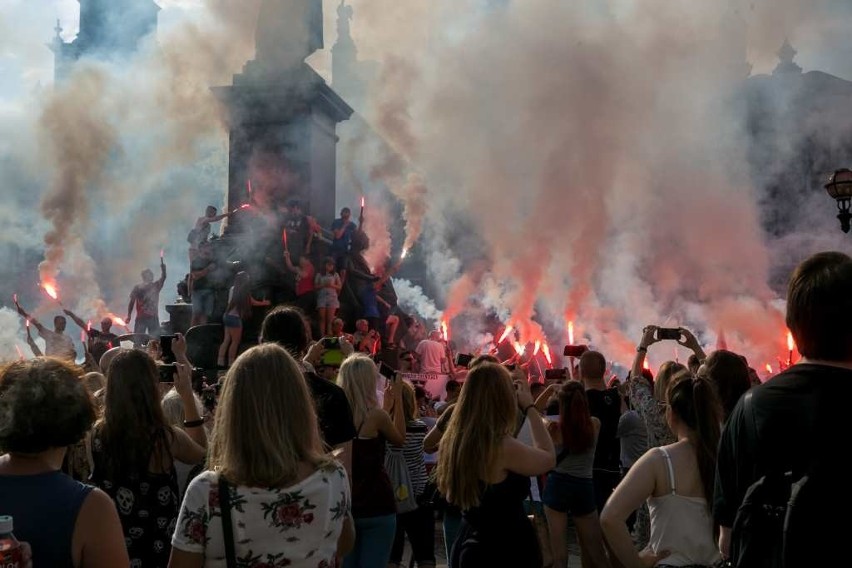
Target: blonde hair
[409, 402]
[266, 424]
[357, 378]
[484, 415]
[173, 408]
[663, 381]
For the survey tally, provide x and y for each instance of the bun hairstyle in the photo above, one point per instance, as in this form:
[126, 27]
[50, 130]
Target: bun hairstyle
[695, 403]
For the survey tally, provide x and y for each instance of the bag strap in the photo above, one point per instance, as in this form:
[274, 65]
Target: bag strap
[751, 428]
[227, 526]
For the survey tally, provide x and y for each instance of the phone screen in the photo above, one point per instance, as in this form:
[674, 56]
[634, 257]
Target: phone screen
[166, 347]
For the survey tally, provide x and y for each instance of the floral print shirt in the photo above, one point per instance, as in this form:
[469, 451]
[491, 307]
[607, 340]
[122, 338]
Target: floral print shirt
[652, 412]
[295, 526]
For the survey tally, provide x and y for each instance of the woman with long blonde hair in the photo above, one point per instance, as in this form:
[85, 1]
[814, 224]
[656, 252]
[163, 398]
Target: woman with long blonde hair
[289, 502]
[485, 471]
[373, 500]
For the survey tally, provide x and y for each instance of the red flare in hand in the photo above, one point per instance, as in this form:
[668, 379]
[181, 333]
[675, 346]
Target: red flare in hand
[509, 329]
[82, 336]
[546, 350]
[15, 298]
[89, 325]
[537, 347]
[519, 349]
[404, 254]
[28, 323]
[284, 239]
[646, 365]
[248, 186]
[20, 353]
[570, 333]
[363, 201]
[791, 344]
[445, 330]
[245, 206]
[162, 253]
[118, 321]
[50, 290]
[769, 368]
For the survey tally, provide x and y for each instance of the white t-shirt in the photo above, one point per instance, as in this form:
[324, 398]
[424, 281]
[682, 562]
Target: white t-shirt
[58, 345]
[432, 356]
[295, 526]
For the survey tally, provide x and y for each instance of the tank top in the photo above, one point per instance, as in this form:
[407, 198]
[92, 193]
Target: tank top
[372, 492]
[682, 525]
[45, 508]
[579, 464]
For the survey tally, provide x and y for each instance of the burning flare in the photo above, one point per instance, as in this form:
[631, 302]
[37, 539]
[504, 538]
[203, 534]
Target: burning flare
[791, 344]
[245, 206]
[537, 347]
[545, 348]
[404, 254]
[769, 368]
[570, 333]
[445, 330]
[509, 329]
[646, 365]
[50, 290]
[118, 321]
[20, 353]
[519, 349]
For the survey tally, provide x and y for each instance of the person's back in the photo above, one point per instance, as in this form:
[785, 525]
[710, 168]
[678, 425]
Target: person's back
[432, 356]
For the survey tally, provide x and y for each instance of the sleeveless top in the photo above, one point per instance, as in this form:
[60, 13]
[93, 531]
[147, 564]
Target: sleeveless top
[498, 532]
[147, 505]
[44, 508]
[580, 464]
[372, 492]
[682, 525]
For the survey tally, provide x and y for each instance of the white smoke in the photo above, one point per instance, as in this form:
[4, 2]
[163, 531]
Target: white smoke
[411, 297]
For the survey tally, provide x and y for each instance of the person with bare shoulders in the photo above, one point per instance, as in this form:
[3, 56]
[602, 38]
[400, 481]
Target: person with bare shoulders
[134, 450]
[44, 408]
[373, 500]
[484, 470]
[56, 343]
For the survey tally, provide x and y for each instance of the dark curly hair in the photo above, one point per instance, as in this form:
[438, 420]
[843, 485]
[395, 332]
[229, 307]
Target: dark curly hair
[43, 405]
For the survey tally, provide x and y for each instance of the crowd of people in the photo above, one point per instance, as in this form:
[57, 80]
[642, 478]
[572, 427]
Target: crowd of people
[302, 453]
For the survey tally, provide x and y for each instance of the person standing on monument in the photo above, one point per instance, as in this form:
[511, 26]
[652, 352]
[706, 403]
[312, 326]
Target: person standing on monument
[146, 298]
[299, 235]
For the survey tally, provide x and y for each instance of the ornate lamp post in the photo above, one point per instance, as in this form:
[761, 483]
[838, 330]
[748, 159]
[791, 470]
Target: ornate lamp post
[839, 187]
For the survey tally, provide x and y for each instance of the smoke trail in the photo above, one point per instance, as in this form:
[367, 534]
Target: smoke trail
[376, 227]
[411, 297]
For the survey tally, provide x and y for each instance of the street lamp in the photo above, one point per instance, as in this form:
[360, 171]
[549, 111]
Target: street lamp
[839, 187]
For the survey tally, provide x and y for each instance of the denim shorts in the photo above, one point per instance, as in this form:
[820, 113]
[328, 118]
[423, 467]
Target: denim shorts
[568, 494]
[232, 321]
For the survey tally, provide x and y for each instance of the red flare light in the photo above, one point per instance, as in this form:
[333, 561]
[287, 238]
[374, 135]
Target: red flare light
[82, 336]
[162, 253]
[509, 329]
[791, 344]
[15, 299]
[363, 201]
[570, 333]
[769, 368]
[245, 206]
[546, 350]
[284, 239]
[50, 290]
[445, 330]
[89, 325]
[118, 321]
[537, 347]
[404, 254]
[646, 365]
[20, 353]
[248, 186]
[28, 323]
[519, 349]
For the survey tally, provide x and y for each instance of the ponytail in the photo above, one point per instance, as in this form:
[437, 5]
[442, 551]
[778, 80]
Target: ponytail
[696, 403]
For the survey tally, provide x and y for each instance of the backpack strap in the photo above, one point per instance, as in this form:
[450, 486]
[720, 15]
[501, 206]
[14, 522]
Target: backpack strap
[751, 428]
[670, 468]
[227, 526]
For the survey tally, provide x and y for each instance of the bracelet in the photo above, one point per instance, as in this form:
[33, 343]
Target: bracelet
[193, 423]
[527, 409]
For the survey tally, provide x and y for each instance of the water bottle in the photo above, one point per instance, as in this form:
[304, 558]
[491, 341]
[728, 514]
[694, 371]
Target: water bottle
[10, 548]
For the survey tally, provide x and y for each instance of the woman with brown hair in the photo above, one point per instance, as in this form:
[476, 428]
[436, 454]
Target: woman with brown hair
[485, 471]
[44, 408]
[677, 482]
[134, 450]
[569, 488]
[288, 500]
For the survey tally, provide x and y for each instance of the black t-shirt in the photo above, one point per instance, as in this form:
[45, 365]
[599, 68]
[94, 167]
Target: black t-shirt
[335, 416]
[785, 417]
[605, 405]
[200, 263]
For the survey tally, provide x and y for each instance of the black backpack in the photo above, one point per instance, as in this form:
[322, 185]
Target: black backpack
[782, 521]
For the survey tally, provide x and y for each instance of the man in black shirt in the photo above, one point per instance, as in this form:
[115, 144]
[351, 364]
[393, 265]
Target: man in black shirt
[100, 340]
[203, 292]
[799, 415]
[605, 405]
[286, 326]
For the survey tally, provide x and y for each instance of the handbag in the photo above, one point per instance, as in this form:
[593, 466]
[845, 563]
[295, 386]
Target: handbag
[400, 479]
[227, 526]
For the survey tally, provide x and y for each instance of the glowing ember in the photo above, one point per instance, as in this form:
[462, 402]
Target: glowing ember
[89, 325]
[20, 353]
[769, 368]
[245, 206]
[404, 254]
[646, 365]
[284, 239]
[546, 350]
[28, 323]
[363, 201]
[248, 186]
[15, 299]
[570, 333]
[445, 330]
[118, 321]
[519, 349]
[509, 329]
[790, 343]
[537, 347]
[50, 290]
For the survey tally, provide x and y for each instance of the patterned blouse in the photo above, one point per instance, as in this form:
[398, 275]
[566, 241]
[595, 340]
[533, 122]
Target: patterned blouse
[651, 411]
[295, 526]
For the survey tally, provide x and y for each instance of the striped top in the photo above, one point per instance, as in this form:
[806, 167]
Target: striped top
[415, 432]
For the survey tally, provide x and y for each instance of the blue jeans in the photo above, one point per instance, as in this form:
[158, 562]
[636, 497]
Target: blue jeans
[373, 541]
[203, 302]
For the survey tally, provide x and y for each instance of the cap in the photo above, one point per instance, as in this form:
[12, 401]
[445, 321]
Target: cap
[6, 524]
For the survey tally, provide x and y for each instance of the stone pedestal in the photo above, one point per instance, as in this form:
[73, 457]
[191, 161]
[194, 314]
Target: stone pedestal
[283, 138]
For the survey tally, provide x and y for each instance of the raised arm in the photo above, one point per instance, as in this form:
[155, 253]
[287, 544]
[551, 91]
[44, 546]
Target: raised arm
[649, 335]
[523, 459]
[393, 421]
[162, 279]
[33, 346]
[76, 319]
[688, 340]
[288, 262]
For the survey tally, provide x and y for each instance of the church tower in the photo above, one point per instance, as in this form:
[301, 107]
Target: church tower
[108, 28]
